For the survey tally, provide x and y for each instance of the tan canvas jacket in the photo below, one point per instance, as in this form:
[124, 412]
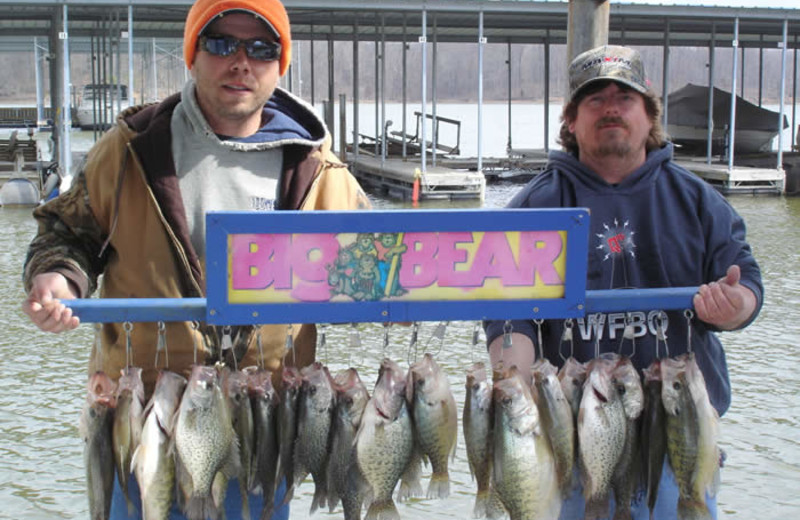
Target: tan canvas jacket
[123, 219]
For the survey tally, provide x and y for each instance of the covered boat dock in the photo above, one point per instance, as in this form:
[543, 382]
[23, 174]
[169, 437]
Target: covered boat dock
[111, 29]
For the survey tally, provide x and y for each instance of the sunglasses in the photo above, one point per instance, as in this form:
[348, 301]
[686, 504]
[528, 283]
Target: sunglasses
[256, 48]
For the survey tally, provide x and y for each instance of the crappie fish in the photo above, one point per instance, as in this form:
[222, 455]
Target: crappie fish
[602, 427]
[97, 417]
[152, 463]
[384, 441]
[654, 438]
[572, 376]
[287, 427]
[692, 435]
[627, 474]
[264, 467]
[477, 423]
[242, 415]
[555, 415]
[435, 415]
[314, 419]
[523, 470]
[344, 478]
[128, 422]
[206, 449]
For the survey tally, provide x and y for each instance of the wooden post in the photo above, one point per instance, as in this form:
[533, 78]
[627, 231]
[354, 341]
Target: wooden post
[587, 26]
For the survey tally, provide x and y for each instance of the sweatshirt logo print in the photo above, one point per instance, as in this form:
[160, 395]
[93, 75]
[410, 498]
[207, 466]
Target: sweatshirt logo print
[616, 240]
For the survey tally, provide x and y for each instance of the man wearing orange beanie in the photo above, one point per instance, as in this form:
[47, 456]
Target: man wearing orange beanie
[133, 223]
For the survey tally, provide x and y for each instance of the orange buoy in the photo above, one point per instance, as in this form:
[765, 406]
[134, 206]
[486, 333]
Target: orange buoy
[415, 189]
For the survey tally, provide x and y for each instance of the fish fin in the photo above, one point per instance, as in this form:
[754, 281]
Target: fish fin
[494, 507]
[384, 510]
[481, 504]
[439, 486]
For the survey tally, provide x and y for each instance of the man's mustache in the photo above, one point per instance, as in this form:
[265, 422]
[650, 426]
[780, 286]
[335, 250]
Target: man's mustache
[611, 120]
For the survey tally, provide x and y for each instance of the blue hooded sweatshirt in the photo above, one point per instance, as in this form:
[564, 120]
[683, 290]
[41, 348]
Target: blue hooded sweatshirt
[660, 227]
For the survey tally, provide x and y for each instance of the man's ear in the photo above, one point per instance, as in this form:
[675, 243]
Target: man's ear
[571, 127]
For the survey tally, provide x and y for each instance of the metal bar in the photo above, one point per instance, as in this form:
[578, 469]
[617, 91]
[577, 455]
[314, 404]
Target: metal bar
[434, 123]
[119, 310]
[423, 40]
[38, 75]
[356, 97]
[547, 92]
[313, 75]
[508, 62]
[784, 43]
[405, 87]
[710, 124]
[130, 54]
[481, 43]
[732, 125]
[66, 146]
[665, 75]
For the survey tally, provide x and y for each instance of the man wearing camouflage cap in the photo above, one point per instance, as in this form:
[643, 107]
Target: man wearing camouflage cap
[653, 225]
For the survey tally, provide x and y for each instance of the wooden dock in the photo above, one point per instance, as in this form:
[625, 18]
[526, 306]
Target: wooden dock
[395, 177]
[739, 179]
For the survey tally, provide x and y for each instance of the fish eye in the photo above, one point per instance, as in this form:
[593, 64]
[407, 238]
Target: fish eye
[676, 385]
[621, 389]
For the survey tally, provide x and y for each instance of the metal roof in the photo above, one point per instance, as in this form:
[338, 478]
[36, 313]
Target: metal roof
[518, 21]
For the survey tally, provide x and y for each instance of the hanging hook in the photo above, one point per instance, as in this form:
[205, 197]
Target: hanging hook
[689, 315]
[323, 341]
[476, 337]
[539, 323]
[566, 337]
[662, 322]
[161, 344]
[412, 347]
[438, 333]
[629, 334]
[385, 337]
[597, 329]
[195, 326]
[128, 328]
[289, 345]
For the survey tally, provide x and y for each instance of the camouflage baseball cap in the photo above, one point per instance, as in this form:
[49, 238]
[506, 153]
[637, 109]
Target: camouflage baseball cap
[609, 62]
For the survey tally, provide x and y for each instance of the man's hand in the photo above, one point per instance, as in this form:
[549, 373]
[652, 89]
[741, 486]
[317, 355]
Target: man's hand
[725, 303]
[43, 304]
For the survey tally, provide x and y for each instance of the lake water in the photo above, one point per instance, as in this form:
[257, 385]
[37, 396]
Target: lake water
[43, 376]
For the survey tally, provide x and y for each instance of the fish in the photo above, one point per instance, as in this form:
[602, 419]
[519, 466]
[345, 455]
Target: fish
[653, 436]
[435, 416]
[206, 449]
[572, 376]
[152, 462]
[627, 474]
[692, 435]
[127, 426]
[95, 427]
[477, 425]
[314, 419]
[602, 427]
[523, 469]
[287, 428]
[555, 415]
[242, 415]
[344, 478]
[265, 408]
[384, 441]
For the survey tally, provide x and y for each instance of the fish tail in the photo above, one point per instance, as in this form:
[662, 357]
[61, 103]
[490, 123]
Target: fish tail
[320, 497]
[383, 510]
[494, 506]
[409, 488]
[200, 508]
[690, 509]
[481, 504]
[439, 486]
[597, 507]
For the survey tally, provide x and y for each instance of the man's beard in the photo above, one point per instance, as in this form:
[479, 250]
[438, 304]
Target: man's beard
[616, 147]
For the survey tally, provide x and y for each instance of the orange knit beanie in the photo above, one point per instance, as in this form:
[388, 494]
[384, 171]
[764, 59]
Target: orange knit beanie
[271, 12]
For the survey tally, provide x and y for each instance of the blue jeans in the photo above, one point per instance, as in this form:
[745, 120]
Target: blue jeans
[666, 503]
[233, 503]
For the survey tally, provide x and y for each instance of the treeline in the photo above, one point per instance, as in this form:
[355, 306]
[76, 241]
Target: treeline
[456, 77]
